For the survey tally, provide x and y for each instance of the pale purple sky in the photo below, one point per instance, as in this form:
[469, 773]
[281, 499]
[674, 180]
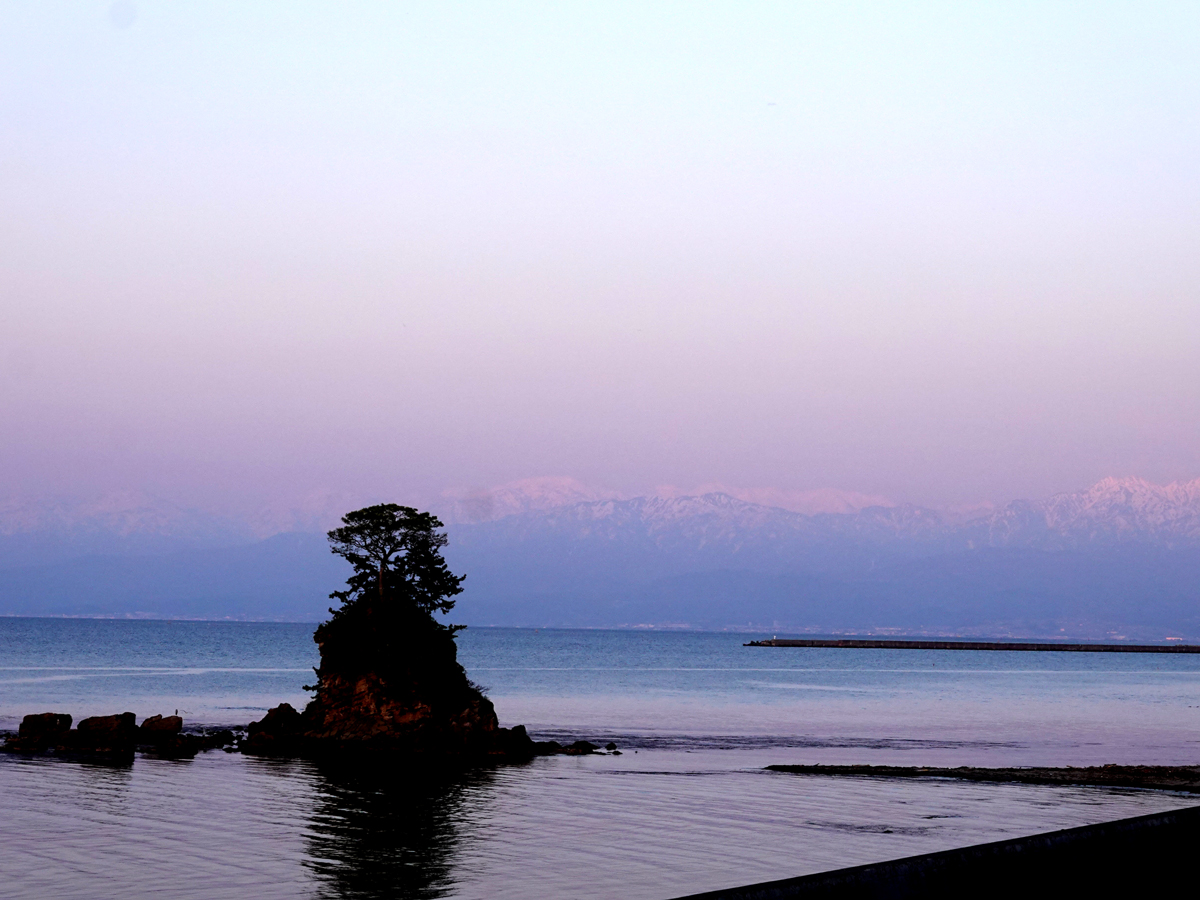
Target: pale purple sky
[937, 252]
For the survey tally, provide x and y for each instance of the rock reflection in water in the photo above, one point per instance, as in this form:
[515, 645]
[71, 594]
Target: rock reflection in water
[389, 831]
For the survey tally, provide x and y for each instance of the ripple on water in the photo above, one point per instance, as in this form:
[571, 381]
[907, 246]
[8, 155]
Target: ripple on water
[649, 825]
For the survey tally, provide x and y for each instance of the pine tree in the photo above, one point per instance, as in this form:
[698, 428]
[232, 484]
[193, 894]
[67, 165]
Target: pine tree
[383, 649]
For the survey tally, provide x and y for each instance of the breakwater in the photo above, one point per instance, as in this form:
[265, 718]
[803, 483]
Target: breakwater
[1128, 857]
[873, 644]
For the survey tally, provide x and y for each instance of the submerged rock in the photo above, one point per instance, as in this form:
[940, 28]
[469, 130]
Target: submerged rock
[165, 738]
[580, 748]
[177, 746]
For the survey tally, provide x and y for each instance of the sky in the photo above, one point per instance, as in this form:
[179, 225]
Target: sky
[942, 253]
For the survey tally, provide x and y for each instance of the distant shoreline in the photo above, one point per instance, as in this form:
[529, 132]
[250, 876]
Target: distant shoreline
[873, 644]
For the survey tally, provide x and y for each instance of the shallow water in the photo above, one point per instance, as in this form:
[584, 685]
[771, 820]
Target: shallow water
[687, 807]
[647, 825]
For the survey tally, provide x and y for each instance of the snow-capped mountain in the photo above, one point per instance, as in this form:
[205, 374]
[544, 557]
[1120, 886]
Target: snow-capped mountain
[463, 505]
[1115, 510]
[1121, 507]
[809, 503]
[120, 514]
[314, 513]
[550, 493]
[33, 531]
[676, 533]
[1122, 554]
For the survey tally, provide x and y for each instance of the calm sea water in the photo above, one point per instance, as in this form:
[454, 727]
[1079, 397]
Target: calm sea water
[687, 807]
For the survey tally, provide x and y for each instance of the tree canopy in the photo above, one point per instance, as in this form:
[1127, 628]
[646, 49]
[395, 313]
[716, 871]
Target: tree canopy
[396, 552]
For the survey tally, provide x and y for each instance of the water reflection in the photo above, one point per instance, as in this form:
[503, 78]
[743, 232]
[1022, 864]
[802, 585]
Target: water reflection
[387, 831]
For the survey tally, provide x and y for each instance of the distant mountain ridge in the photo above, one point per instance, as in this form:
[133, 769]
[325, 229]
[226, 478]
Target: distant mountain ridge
[42, 530]
[1112, 510]
[120, 514]
[468, 506]
[526, 495]
[121, 523]
[1122, 556]
[1115, 509]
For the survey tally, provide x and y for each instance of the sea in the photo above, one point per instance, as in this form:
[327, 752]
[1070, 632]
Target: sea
[685, 807]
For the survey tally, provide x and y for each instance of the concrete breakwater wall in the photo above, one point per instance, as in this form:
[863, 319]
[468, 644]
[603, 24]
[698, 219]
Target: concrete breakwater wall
[1142, 856]
[872, 644]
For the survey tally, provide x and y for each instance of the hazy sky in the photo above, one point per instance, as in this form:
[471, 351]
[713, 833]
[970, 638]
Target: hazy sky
[941, 252]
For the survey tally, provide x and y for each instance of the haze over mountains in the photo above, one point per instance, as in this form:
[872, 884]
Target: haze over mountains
[1119, 558]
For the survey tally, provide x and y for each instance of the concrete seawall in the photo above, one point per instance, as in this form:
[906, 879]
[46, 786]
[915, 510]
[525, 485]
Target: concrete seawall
[872, 644]
[1143, 856]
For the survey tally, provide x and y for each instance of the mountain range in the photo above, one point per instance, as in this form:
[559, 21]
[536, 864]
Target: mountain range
[1119, 558]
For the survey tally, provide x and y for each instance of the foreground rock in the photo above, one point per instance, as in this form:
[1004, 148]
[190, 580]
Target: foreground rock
[114, 738]
[284, 731]
[39, 732]
[280, 731]
[159, 729]
[108, 737]
[163, 736]
[1172, 778]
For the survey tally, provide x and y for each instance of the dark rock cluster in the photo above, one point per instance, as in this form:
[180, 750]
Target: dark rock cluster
[284, 731]
[114, 737]
[473, 735]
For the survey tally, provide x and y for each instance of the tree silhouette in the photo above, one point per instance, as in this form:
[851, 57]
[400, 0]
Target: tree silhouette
[397, 551]
[389, 677]
[383, 647]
